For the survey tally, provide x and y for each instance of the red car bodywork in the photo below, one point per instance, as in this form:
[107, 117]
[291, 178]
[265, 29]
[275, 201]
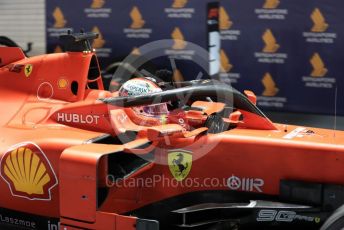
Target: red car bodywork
[51, 118]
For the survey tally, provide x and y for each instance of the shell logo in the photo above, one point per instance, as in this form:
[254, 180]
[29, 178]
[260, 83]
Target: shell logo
[28, 172]
[62, 83]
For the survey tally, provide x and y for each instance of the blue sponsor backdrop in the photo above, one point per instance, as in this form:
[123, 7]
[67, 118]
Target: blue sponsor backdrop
[126, 25]
[289, 52]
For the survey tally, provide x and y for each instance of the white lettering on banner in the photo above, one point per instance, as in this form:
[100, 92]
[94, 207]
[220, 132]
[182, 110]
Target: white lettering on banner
[278, 58]
[277, 102]
[278, 14]
[77, 118]
[98, 13]
[180, 54]
[103, 52]
[229, 78]
[230, 34]
[137, 33]
[313, 37]
[319, 82]
[179, 13]
[56, 32]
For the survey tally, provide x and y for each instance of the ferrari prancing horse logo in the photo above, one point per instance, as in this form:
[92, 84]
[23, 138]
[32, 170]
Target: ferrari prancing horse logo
[28, 70]
[179, 162]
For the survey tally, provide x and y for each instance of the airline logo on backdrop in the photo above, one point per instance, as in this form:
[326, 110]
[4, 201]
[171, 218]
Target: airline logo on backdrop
[99, 43]
[178, 9]
[270, 42]
[97, 10]
[225, 21]
[135, 51]
[136, 18]
[96, 4]
[317, 33]
[59, 18]
[269, 84]
[271, 4]
[270, 11]
[317, 77]
[269, 52]
[225, 68]
[178, 39]
[225, 26]
[136, 28]
[58, 28]
[179, 3]
[318, 65]
[58, 49]
[177, 76]
[319, 23]
[178, 48]
[268, 98]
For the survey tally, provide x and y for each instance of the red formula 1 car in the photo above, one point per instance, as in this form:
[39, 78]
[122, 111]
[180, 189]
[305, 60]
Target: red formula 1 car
[74, 156]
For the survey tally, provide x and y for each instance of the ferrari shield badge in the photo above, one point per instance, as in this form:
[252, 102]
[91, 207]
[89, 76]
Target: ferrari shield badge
[28, 70]
[179, 162]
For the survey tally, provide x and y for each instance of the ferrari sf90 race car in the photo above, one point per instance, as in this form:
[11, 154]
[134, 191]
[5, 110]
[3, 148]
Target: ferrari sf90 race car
[75, 156]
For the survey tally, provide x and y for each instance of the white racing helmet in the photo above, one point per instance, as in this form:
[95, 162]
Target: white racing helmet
[142, 86]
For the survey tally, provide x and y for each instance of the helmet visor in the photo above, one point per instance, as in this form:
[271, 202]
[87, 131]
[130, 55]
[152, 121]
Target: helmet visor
[155, 110]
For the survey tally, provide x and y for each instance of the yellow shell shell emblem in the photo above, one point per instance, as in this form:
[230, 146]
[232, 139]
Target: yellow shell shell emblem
[180, 162]
[62, 83]
[28, 172]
